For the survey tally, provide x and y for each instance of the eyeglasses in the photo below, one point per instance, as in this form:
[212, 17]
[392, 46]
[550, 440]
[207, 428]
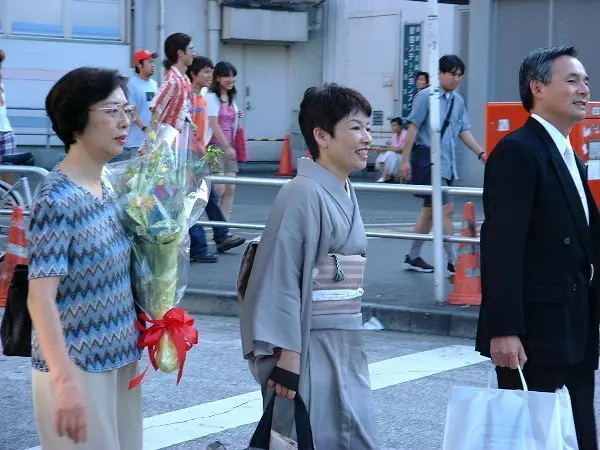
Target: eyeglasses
[115, 111]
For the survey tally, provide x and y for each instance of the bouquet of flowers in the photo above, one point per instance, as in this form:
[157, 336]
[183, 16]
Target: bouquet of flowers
[163, 192]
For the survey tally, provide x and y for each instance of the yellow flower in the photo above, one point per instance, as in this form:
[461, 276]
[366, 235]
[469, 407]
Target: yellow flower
[145, 202]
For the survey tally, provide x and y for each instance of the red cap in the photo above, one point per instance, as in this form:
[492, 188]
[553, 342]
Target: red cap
[142, 55]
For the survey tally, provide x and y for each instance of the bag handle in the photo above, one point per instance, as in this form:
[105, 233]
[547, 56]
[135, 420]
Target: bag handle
[262, 435]
[493, 372]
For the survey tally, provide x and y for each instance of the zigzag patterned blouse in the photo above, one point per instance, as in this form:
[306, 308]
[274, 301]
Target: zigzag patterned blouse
[78, 237]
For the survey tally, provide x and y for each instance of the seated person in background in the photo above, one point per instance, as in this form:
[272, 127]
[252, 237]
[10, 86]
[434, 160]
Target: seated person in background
[390, 157]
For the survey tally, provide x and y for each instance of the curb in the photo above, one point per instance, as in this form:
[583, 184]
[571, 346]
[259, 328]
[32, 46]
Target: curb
[460, 323]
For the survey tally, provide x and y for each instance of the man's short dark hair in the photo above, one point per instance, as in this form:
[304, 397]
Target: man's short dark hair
[2, 56]
[539, 66]
[199, 63]
[451, 64]
[68, 102]
[397, 120]
[323, 107]
[174, 43]
[424, 75]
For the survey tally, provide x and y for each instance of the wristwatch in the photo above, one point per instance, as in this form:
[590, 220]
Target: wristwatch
[144, 128]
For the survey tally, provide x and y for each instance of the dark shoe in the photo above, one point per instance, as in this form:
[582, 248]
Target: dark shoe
[451, 268]
[417, 264]
[229, 243]
[204, 258]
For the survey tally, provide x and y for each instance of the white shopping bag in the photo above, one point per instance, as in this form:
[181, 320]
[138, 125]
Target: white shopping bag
[499, 419]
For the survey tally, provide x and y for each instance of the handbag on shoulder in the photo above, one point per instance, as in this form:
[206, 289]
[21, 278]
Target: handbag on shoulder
[15, 330]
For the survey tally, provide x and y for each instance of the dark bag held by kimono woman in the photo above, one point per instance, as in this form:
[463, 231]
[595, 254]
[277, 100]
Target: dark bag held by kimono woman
[263, 437]
[15, 330]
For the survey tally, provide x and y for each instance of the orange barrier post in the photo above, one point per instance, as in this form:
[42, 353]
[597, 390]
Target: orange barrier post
[16, 252]
[285, 163]
[467, 281]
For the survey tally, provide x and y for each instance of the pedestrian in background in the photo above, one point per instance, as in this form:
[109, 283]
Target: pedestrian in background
[223, 118]
[416, 161]
[389, 159]
[540, 245]
[85, 342]
[8, 143]
[141, 91]
[200, 73]
[174, 100]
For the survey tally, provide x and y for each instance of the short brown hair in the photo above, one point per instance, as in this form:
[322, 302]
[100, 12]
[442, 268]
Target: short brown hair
[2, 55]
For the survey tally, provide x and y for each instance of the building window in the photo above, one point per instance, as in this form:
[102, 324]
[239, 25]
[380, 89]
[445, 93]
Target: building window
[35, 18]
[100, 20]
[97, 19]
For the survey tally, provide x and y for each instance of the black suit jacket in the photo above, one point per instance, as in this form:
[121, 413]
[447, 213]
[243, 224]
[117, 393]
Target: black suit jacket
[537, 252]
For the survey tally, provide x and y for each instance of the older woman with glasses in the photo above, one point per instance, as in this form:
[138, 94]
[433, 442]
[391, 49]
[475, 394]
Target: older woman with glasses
[84, 350]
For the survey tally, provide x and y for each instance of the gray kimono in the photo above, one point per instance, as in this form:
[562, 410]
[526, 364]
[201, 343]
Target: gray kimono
[313, 218]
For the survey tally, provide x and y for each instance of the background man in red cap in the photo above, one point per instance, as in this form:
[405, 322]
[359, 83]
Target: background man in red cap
[142, 89]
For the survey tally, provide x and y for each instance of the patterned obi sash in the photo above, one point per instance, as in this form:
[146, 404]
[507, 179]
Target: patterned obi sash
[337, 285]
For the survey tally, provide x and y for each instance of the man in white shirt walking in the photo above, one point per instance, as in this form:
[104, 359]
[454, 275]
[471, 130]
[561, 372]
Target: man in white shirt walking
[142, 89]
[8, 144]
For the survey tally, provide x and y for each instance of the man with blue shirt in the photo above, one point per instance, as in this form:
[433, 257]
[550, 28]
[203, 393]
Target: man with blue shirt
[416, 161]
[142, 89]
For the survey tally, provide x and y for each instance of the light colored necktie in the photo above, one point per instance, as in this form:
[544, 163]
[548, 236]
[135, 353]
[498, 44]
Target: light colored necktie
[572, 166]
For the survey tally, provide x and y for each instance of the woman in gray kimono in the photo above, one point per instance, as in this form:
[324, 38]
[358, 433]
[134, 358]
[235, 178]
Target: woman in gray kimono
[301, 301]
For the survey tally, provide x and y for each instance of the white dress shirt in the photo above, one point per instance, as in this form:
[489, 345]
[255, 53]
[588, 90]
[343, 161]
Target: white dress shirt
[563, 144]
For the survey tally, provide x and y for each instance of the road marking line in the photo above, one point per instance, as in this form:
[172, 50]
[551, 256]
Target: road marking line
[195, 422]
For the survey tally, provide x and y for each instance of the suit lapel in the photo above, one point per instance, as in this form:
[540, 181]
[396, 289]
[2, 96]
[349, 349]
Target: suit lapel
[567, 185]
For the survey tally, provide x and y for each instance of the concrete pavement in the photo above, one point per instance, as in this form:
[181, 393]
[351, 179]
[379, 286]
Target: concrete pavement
[400, 300]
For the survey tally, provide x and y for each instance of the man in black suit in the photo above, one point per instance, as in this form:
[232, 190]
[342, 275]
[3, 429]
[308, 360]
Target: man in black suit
[540, 244]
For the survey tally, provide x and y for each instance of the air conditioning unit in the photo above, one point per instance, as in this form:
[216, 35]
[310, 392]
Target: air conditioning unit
[264, 25]
[268, 3]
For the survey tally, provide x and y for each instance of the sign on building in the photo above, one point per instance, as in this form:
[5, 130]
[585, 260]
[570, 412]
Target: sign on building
[411, 57]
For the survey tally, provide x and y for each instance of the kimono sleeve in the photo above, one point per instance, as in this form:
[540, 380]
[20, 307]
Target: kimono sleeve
[48, 240]
[271, 313]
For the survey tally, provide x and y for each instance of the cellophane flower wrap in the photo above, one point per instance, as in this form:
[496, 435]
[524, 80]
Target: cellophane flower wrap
[162, 192]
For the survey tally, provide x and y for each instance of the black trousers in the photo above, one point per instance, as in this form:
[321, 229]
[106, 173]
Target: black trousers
[579, 380]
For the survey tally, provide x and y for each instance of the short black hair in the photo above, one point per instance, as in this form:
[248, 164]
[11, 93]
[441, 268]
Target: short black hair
[539, 66]
[2, 56]
[174, 43]
[398, 120]
[198, 63]
[223, 69]
[425, 75]
[323, 107]
[69, 101]
[451, 63]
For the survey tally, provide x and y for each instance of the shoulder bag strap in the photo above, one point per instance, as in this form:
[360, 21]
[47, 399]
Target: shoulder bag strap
[448, 116]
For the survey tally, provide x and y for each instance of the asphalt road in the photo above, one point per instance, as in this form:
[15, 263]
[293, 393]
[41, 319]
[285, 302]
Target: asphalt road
[411, 375]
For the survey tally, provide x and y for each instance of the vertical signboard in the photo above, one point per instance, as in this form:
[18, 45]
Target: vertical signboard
[411, 57]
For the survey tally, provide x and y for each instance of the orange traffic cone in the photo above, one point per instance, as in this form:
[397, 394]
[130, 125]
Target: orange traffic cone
[16, 252]
[467, 281]
[285, 163]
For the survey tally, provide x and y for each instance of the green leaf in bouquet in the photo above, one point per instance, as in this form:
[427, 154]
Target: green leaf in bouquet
[137, 215]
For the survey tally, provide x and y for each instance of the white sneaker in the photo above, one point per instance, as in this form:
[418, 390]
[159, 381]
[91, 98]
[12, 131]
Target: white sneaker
[381, 180]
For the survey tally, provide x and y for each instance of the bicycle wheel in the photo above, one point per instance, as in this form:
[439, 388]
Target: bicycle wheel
[8, 198]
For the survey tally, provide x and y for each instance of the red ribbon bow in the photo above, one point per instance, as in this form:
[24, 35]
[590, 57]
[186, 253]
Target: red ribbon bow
[180, 327]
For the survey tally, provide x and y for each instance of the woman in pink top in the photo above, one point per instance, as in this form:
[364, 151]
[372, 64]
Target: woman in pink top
[390, 158]
[223, 119]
